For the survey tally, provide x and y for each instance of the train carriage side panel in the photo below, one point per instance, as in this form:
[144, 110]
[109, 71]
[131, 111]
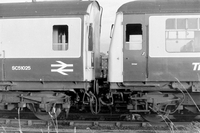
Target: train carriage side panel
[174, 47]
[42, 48]
[115, 60]
[44, 41]
[165, 26]
[127, 54]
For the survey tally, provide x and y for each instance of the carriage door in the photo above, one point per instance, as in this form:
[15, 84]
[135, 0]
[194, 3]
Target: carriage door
[134, 48]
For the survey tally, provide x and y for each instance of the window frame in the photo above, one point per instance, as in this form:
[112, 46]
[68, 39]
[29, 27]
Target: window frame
[60, 38]
[133, 39]
[182, 35]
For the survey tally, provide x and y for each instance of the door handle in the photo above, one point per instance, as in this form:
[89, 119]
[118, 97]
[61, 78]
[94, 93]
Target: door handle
[143, 53]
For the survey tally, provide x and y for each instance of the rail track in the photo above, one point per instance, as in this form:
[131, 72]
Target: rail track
[65, 126]
[26, 122]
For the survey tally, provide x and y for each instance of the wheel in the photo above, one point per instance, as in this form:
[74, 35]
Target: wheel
[46, 116]
[154, 117]
[43, 115]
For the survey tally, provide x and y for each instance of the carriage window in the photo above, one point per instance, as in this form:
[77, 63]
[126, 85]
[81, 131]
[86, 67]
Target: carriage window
[181, 23]
[133, 37]
[60, 38]
[192, 23]
[170, 24]
[182, 35]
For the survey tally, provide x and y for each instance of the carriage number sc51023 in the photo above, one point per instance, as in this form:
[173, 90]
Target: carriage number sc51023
[21, 68]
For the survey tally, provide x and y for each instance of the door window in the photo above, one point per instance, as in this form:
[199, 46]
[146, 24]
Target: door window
[133, 37]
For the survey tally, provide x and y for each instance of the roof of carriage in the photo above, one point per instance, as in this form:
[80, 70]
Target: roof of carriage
[161, 6]
[44, 8]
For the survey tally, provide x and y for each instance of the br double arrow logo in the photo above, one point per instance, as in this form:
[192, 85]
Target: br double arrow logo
[62, 68]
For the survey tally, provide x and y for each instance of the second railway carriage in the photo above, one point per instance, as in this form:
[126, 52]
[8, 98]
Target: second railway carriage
[155, 56]
[49, 51]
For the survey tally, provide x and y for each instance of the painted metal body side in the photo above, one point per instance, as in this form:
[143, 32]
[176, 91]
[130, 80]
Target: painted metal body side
[168, 61]
[33, 37]
[27, 49]
[173, 69]
[43, 69]
[156, 63]
[26, 40]
[160, 63]
[115, 60]
[135, 61]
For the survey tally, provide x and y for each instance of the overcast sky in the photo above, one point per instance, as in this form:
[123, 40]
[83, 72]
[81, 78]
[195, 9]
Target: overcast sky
[109, 9]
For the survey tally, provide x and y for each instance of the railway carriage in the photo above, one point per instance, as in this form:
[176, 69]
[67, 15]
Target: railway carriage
[156, 46]
[49, 52]
[50, 59]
